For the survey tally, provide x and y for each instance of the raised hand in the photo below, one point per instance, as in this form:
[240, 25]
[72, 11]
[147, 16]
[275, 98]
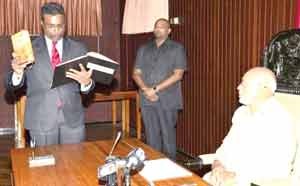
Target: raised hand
[17, 65]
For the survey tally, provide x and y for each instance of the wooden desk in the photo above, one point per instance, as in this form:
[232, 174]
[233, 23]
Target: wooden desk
[124, 97]
[76, 165]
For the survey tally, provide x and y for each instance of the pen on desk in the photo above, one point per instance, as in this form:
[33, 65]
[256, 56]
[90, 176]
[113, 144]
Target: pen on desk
[150, 183]
[32, 154]
[188, 184]
[32, 145]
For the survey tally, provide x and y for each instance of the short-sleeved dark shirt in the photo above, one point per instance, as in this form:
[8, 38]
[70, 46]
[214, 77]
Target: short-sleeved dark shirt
[159, 63]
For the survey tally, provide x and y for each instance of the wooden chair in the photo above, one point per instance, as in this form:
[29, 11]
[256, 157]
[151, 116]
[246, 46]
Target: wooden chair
[19, 122]
[124, 97]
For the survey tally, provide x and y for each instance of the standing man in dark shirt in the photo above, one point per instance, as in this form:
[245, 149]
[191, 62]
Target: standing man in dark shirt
[159, 67]
[55, 115]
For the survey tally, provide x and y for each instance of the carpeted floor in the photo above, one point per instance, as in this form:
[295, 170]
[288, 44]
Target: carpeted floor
[6, 143]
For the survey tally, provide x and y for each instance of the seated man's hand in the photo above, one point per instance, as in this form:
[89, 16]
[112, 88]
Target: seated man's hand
[83, 76]
[228, 179]
[220, 176]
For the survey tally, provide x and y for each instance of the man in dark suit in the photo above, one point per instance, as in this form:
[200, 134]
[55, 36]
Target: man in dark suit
[159, 67]
[56, 115]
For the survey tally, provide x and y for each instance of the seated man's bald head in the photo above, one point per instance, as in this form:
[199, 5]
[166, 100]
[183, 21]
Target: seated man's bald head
[257, 84]
[264, 76]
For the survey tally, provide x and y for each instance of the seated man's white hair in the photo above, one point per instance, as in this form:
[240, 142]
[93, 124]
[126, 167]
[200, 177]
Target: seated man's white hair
[266, 77]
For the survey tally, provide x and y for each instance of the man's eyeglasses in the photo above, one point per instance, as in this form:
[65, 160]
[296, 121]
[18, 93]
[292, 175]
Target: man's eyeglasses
[53, 26]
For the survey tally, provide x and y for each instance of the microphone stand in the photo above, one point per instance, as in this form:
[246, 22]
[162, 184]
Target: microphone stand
[33, 145]
[115, 143]
[196, 163]
[127, 176]
[112, 178]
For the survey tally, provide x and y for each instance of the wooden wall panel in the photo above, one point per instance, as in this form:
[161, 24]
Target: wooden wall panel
[223, 39]
[129, 46]
[6, 106]
[109, 45]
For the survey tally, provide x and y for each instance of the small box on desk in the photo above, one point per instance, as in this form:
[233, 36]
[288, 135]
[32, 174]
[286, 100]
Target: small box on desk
[38, 161]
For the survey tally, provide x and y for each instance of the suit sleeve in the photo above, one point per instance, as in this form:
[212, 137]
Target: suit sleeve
[91, 87]
[9, 83]
[83, 51]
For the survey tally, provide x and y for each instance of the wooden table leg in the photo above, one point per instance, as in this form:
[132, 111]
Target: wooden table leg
[114, 112]
[124, 117]
[127, 113]
[138, 117]
[114, 117]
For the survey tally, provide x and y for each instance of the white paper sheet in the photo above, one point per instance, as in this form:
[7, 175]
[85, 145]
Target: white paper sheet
[162, 169]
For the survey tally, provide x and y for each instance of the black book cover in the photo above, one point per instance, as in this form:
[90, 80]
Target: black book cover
[103, 69]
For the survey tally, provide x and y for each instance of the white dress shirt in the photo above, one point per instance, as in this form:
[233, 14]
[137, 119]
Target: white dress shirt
[259, 145]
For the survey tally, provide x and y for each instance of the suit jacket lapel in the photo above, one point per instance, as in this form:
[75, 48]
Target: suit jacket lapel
[66, 50]
[44, 59]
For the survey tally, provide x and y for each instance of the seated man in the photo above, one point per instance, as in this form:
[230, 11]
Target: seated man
[261, 142]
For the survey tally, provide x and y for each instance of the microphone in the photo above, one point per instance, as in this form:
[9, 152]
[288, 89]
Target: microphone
[135, 159]
[115, 143]
[197, 162]
[110, 167]
[109, 171]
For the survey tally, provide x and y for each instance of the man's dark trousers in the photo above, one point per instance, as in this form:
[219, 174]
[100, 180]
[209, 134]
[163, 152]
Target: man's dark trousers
[160, 128]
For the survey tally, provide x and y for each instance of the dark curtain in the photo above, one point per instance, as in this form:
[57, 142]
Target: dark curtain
[83, 17]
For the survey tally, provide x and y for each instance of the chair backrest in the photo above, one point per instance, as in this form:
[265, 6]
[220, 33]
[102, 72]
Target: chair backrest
[292, 103]
[19, 122]
[296, 165]
[282, 56]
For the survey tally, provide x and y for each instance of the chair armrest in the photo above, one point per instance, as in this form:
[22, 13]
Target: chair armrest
[207, 158]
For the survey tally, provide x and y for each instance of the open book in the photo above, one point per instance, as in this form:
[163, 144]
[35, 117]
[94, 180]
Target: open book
[22, 46]
[103, 67]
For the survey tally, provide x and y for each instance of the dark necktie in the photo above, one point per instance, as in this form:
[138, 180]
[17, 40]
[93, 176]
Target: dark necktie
[55, 59]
